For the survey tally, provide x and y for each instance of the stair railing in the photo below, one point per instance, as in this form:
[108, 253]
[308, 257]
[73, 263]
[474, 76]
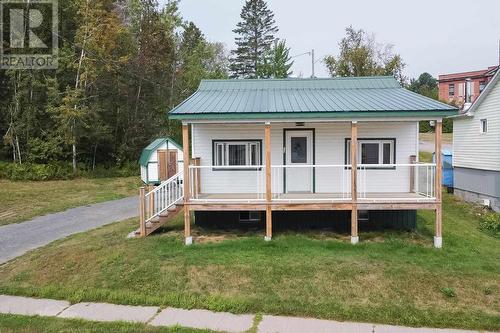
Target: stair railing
[152, 204]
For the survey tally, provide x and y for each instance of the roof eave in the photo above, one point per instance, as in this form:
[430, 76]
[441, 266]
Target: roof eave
[315, 115]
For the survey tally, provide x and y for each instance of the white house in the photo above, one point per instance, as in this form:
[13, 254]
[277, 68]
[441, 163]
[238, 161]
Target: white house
[476, 148]
[263, 149]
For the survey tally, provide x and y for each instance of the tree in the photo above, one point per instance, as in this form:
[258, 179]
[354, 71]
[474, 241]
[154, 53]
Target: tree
[360, 55]
[255, 35]
[277, 62]
[122, 66]
[425, 85]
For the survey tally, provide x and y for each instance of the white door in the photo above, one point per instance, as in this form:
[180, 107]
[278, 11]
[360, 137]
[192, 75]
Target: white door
[299, 152]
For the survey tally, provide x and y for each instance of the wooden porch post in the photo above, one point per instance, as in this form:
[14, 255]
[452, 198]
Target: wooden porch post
[187, 221]
[354, 182]
[438, 239]
[269, 212]
[142, 213]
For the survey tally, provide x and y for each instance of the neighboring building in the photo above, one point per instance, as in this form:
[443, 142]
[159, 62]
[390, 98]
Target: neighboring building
[476, 148]
[343, 151]
[461, 88]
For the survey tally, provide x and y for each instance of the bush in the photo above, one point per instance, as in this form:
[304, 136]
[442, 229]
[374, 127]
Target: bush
[30, 171]
[63, 171]
[490, 222]
[448, 292]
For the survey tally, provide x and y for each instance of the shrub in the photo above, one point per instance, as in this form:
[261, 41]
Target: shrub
[490, 222]
[63, 171]
[448, 292]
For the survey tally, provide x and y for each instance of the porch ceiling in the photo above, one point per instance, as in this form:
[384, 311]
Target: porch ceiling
[307, 98]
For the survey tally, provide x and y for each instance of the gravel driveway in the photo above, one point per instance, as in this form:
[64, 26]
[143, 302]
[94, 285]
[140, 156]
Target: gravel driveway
[18, 238]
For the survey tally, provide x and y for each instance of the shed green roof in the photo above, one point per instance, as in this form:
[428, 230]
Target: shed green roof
[306, 98]
[146, 152]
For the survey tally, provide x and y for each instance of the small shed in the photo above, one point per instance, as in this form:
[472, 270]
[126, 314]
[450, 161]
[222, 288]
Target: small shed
[160, 160]
[446, 158]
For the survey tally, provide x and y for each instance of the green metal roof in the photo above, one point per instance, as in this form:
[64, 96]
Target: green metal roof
[306, 98]
[146, 152]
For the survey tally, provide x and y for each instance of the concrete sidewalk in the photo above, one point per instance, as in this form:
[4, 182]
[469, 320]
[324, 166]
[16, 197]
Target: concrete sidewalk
[200, 319]
[18, 238]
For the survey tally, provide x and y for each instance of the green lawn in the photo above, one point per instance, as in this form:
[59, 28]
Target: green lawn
[446, 137]
[22, 200]
[26, 324]
[391, 277]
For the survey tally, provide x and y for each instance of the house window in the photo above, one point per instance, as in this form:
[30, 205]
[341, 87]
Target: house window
[236, 153]
[482, 85]
[451, 89]
[484, 125]
[373, 151]
[246, 217]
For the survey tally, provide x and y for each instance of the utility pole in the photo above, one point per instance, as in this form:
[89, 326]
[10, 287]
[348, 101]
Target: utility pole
[313, 60]
[312, 56]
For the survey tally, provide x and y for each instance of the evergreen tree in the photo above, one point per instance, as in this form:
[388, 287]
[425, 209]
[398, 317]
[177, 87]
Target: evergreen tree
[255, 35]
[277, 62]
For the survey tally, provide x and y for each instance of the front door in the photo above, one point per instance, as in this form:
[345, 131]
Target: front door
[299, 152]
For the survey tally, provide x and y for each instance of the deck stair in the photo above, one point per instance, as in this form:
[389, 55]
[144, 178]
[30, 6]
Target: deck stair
[160, 205]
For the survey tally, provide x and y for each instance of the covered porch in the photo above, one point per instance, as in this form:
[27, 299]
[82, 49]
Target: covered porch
[394, 183]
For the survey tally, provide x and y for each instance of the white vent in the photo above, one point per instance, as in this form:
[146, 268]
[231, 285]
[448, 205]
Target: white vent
[487, 203]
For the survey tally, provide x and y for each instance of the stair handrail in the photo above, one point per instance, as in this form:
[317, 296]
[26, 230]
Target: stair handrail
[162, 197]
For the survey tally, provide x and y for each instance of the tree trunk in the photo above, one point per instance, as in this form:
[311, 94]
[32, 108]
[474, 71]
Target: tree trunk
[93, 160]
[74, 157]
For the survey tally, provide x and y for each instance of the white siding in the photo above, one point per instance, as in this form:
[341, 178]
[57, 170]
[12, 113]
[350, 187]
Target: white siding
[144, 174]
[472, 149]
[329, 149]
[153, 171]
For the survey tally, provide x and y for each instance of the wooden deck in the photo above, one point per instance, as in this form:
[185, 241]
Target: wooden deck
[310, 201]
[309, 197]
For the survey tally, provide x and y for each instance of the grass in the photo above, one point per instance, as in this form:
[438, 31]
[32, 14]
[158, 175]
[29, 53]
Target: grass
[446, 138]
[391, 277]
[24, 200]
[425, 157]
[27, 324]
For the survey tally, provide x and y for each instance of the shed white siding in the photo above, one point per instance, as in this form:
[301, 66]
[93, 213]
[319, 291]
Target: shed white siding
[472, 149]
[151, 173]
[329, 150]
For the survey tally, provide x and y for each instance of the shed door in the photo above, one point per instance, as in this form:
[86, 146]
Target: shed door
[298, 150]
[162, 164]
[172, 162]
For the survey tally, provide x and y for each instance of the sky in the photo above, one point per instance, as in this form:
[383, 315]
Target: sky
[435, 36]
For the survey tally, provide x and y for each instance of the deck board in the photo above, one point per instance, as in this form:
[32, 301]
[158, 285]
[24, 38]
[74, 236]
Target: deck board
[311, 197]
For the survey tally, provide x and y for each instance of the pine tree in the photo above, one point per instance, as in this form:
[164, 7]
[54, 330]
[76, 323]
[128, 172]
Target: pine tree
[255, 35]
[277, 62]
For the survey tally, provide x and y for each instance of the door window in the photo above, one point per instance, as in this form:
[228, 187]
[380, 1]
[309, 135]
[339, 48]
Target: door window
[298, 149]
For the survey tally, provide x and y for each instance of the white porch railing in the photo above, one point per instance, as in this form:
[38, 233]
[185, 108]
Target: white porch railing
[164, 196]
[241, 183]
[296, 183]
[312, 183]
[396, 181]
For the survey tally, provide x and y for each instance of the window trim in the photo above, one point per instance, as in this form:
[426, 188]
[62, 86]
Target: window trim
[484, 84]
[347, 144]
[237, 168]
[482, 127]
[451, 85]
